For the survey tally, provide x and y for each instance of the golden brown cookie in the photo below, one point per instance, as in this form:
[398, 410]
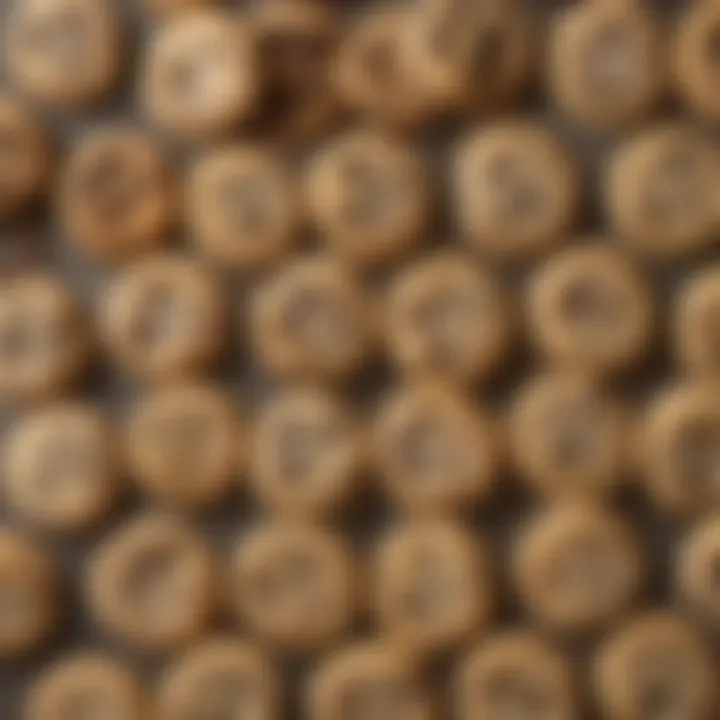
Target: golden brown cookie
[569, 436]
[696, 570]
[517, 189]
[62, 467]
[297, 42]
[25, 157]
[516, 674]
[368, 680]
[65, 53]
[313, 320]
[432, 586]
[696, 325]
[680, 449]
[577, 567]
[308, 454]
[374, 74]
[656, 666]
[30, 602]
[607, 63]
[661, 191]
[370, 197]
[152, 584]
[44, 338]
[590, 308]
[436, 451]
[200, 74]
[116, 196]
[295, 585]
[474, 56]
[244, 206]
[163, 318]
[88, 684]
[186, 445]
[221, 678]
[695, 58]
[449, 318]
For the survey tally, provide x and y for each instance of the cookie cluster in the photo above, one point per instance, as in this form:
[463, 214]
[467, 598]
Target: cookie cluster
[367, 365]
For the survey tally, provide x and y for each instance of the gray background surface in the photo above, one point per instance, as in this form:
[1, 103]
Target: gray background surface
[37, 240]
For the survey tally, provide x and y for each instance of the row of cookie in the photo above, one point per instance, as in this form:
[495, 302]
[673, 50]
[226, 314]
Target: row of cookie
[308, 455]
[654, 657]
[205, 71]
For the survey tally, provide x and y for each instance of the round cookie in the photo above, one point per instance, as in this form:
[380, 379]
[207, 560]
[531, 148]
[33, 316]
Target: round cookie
[295, 585]
[66, 54]
[62, 467]
[308, 453]
[577, 567]
[312, 320]
[518, 674]
[185, 445]
[448, 318]
[200, 76]
[152, 584]
[435, 451]
[607, 63]
[86, 683]
[116, 197]
[221, 678]
[590, 308]
[370, 196]
[661, 191]
[517, 189]
[655, 666]
[163, 318]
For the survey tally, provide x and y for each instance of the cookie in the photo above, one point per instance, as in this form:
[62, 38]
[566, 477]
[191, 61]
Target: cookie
[44, 338]
[294, 585]
[163, 318]
[152, 584]
[116, 196]
[516, 189]
[607, 63]
[297, 42]
[200, 75]
[696, 324]
[655, 666]
[570, 437]
[308, 453]
[368, 680]
[577, 568]
[448, 318]
[518, 674]
[374, 74]
[186, 445]
[221, 677]
[370, 197]
[25, 157]
[660, 191]
[63, 467]
[312, 320]
[66, 54]
[696, 563]
[680, 449]
[474, 57]
[244, 207]
[435, 451]
[30, 595]
[432, 586]
[590, 308]
[86, 683]
[695, 58]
